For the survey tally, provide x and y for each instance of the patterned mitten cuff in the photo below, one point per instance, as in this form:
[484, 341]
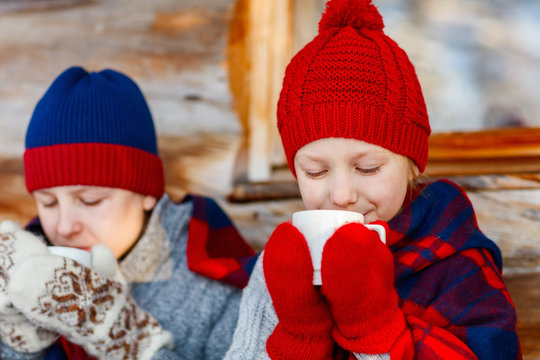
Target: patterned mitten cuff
[16, 331]
[87, 308]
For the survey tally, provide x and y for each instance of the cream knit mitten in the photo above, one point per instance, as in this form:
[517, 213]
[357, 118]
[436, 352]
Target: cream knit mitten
[89, 309]
[16, 331]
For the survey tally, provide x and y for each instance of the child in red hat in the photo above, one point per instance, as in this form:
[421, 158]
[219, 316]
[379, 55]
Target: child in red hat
[355, 129]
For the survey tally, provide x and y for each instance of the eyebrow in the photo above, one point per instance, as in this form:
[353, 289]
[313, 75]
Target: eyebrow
[43, 193]
[311, 157]
[75, 191]
[356, 155]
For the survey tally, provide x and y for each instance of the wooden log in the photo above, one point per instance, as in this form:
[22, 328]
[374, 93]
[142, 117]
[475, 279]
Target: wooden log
[525, 292]
[511, 218]
[38, 5]
[489, 143]
[248, 192]
[259, 47]
[492, 151]
[238, 61]
[263, 36]
[526, 181]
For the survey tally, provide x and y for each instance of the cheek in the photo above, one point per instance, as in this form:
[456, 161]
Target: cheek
[48, 219]
[102, 226]
[121, 231]
[388, 196]
[312, 193]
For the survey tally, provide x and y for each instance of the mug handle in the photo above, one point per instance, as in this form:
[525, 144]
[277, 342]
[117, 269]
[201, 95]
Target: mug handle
[379, 229]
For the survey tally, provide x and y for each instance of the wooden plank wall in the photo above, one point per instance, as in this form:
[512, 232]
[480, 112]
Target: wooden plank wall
[262, 38]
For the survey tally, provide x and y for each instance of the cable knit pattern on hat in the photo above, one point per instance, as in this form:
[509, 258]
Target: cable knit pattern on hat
[353, 81]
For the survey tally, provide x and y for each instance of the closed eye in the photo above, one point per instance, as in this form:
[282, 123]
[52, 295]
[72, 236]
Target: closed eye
[91, 202]
[49, 204]
[368, 171]
[315, 174]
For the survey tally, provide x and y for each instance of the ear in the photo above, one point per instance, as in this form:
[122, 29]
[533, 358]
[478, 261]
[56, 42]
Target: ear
[149, 202]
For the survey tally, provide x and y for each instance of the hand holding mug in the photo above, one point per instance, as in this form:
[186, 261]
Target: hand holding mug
[318, 226]
[304, 330]
[358, 281]
[99, 258]
[90, 305]
[16, 331]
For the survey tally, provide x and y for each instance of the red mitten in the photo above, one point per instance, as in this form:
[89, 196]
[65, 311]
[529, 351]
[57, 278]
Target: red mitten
[304, 330]
[358, 280]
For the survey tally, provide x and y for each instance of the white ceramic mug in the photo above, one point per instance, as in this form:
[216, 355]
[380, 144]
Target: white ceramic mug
[318, 225]
[81, 256]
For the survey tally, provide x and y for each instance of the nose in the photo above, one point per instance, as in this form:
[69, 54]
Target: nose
[68, 223]
[343, 193]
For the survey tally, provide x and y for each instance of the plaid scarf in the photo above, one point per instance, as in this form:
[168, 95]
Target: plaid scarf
[448, 277]
[215, 248]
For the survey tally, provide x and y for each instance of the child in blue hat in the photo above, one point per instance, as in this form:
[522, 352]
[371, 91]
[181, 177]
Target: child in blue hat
[164, 278]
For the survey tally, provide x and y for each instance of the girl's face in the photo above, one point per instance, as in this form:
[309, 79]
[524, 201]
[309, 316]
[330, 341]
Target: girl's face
[83, 216]
[348, 174]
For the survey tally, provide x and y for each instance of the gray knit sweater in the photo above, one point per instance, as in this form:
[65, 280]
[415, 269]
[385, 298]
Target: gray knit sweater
[258, 319]
[200, 313]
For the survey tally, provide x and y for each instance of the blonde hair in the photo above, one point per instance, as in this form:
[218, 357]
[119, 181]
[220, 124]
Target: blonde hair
[416, 178]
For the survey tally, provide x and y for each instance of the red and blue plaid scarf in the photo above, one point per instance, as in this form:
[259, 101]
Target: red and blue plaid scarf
[215, 248]
[448, 277]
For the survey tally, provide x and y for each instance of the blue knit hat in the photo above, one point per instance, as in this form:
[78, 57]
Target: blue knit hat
[93, 129]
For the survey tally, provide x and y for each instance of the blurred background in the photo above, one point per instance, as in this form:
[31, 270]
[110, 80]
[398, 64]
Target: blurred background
[478, 60]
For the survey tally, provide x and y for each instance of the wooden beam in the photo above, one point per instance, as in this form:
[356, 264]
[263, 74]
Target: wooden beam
[491, 151]
[263, 36]
[259, 47]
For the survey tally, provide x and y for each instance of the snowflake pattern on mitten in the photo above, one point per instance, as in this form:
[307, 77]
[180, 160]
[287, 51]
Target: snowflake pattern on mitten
[133, 317]
[6, 260]
[77, 298]
[88, 309]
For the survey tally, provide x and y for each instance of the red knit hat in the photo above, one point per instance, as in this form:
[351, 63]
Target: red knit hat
[353, 81]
